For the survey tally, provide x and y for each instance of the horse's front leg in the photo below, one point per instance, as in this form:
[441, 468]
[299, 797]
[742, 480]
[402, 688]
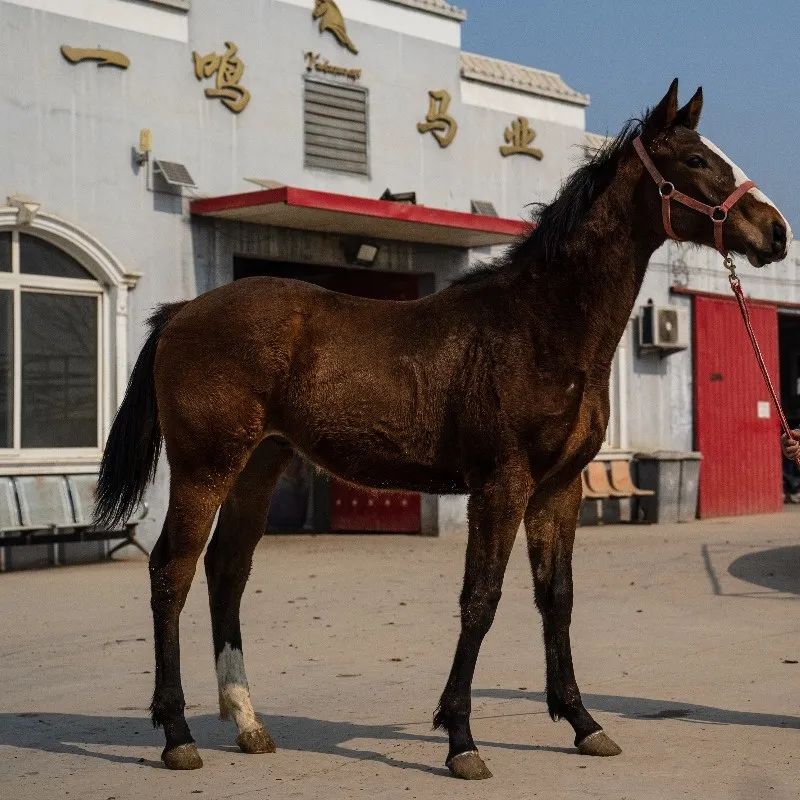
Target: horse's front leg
[550, 522]
[495, 513]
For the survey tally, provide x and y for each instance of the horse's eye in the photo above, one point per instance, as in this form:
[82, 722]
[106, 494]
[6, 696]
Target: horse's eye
[696, 162]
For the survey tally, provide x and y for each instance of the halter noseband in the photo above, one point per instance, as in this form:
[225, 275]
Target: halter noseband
[668, 193]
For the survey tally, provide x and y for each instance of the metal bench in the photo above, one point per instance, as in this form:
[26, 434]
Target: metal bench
[43, 513]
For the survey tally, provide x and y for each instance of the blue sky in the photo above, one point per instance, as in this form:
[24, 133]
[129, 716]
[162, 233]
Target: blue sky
[624, 53]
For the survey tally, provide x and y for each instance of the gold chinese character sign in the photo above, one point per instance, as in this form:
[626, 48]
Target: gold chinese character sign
[331, 19]
[438, 122]
[229, 70]
[104, 58]
[519, 136]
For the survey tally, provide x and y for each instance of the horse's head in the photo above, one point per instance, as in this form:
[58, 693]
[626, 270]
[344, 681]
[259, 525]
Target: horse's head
[320, 8]
[692, 165]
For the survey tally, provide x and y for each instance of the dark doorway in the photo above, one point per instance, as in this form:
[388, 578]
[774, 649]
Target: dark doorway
[789, 355]
[358, 282]
[304, 499]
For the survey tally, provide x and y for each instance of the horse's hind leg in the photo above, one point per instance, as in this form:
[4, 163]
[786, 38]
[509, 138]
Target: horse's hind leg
[550, 522]
[192, 505]
[228, 561]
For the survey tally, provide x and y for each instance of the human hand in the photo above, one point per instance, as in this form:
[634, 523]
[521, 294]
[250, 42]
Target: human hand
[791, 447]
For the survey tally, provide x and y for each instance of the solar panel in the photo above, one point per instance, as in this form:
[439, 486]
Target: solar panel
[266, 183]
[174, 174]
[484, 208]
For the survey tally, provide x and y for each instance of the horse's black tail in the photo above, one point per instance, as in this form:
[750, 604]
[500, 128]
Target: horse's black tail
[134, 443]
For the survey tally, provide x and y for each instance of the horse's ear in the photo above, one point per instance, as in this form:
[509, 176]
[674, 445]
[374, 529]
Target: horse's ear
[689, 115]
[663, 115]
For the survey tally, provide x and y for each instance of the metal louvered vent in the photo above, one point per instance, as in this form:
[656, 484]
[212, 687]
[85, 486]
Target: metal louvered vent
[336, 127]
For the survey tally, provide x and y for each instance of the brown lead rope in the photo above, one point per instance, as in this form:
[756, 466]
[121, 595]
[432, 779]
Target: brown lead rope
[736, 286]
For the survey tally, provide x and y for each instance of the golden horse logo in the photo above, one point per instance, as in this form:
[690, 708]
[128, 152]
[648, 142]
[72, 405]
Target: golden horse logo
[331, 19]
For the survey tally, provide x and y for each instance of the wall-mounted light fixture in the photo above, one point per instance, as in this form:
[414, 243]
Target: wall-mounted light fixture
[142, 152]
[366, 254]
[400, 197]
[358, 251]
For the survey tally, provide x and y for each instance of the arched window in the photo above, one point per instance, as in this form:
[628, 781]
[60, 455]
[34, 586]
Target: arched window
[53, 341]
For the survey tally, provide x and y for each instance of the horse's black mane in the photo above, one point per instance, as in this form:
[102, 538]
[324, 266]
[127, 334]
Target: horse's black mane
[557, 220]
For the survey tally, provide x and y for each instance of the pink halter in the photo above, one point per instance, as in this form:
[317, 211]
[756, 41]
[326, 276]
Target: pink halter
[668, 193]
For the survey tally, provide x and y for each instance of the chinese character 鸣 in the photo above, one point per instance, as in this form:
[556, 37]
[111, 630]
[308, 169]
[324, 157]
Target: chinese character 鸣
[229, 70]
[438, 121]
[518, 136]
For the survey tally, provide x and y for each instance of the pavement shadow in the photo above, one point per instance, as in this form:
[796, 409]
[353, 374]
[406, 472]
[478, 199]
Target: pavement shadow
[642, 708]
[91, 736]
[777, 569]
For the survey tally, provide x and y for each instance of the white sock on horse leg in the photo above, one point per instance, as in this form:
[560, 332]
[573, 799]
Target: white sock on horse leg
[234, 694]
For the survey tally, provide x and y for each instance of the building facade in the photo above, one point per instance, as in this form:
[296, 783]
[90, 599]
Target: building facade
[155, 149]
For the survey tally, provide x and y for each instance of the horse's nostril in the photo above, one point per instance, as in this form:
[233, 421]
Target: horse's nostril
[778, 237]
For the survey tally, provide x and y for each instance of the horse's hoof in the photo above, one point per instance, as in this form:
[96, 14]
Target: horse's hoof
[184, 756]
[255, 741]
[598, 744]
[468, 766]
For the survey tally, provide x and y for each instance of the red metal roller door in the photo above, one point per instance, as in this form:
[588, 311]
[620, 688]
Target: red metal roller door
[357, 509]
[735, 425]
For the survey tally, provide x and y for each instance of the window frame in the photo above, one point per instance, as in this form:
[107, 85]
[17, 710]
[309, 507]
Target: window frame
[18, 282]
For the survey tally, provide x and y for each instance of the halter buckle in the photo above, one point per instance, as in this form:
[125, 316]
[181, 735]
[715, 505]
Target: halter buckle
[719, 214]
[666, 189]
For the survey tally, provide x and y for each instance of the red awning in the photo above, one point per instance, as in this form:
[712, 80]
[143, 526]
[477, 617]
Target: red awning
[304, 209]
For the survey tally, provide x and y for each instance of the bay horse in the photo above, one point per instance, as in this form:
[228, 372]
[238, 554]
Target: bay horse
[496, 387]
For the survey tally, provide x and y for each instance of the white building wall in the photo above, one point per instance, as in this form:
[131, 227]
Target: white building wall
[67, 131]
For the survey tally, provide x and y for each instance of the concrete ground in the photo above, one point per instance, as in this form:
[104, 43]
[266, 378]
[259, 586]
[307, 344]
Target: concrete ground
[686, 642]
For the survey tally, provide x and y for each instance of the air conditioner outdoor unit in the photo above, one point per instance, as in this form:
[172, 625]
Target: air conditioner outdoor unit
[663, 328]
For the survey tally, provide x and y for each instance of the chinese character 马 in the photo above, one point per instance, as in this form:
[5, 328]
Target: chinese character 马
[438, 122]
[229, 70]
[518, 137]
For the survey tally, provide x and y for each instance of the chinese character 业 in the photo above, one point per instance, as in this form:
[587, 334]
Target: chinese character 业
[438, 121]
[518, 136]
[229, 70]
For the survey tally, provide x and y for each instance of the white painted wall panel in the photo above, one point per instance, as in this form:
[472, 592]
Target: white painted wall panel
[407, 21]
[167, 23]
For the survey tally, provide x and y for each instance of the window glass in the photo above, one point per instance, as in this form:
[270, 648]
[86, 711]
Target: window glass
[6, 368]
[59, 370]
[38, 257]
[5, 251]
